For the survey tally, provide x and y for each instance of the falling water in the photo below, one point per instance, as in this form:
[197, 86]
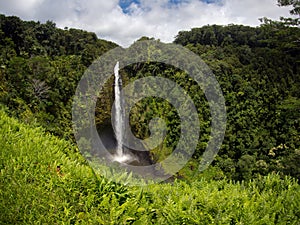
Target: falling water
[118, 111]
[119, 128]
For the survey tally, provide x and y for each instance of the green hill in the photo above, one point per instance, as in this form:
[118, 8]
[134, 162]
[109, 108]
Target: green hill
[43, 180]
[253, 180]
[257, 69]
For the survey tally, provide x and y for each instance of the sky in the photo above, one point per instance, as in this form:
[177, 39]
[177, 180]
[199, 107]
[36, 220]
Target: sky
[125, 21]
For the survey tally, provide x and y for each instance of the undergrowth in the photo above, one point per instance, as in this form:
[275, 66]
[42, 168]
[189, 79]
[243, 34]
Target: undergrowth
[44, 180]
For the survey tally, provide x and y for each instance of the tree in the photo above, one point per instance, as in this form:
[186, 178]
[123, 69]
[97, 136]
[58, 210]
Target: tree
[294, 3]
[295, 11]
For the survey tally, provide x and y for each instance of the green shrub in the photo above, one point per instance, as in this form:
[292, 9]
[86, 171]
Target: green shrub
[34, 190]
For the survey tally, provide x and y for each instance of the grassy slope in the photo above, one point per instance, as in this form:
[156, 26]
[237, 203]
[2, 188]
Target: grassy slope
[33, 192]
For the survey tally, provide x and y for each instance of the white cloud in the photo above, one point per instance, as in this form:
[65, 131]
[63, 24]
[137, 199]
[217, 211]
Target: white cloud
[21, 8]
[154, 18]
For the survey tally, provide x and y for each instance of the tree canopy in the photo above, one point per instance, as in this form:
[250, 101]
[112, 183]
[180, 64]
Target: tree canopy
[256, 67]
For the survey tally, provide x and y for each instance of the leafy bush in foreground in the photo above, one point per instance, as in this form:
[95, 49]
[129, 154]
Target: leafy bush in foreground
[44, 180]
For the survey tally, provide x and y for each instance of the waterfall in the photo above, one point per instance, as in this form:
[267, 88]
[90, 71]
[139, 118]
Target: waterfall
[118, 112]
[121, 155]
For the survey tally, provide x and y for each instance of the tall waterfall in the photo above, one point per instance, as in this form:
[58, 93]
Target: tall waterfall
[121, 155]
[118, 112]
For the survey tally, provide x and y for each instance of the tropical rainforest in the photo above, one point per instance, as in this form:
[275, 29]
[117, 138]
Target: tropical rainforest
[254, 179]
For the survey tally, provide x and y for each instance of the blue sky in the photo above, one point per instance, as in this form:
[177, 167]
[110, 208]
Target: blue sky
[124, 21]
[125, 4]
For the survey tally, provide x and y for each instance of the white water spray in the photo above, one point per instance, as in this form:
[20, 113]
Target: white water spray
[119, 121]
[118, 111]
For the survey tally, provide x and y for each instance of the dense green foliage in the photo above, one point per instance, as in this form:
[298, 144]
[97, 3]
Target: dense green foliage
[258, 71]
[40, 68]
[253, 180]
[33, 190]
[257, 68]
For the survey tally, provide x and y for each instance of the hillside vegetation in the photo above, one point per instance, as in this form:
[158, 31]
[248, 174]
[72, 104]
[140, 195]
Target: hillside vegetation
[257, 69]
[254, 178]
[33, 190]
[40, 67]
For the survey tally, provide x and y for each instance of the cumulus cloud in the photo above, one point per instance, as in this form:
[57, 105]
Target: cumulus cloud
[21, 8]
[161, 19]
